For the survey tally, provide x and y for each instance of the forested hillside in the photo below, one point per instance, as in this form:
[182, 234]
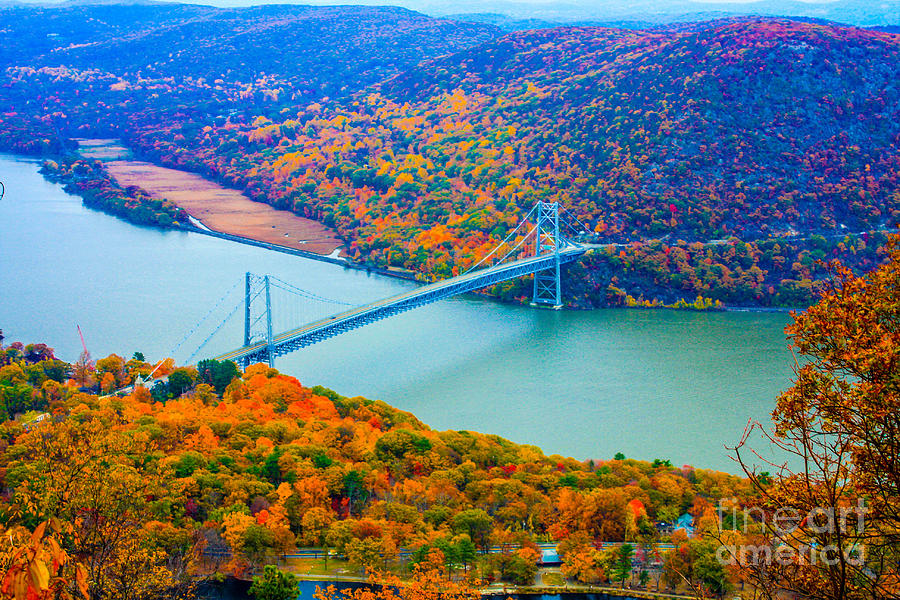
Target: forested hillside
[304, 50]
[776, 139]
[105, 69]
[216, 470]
[751, 130]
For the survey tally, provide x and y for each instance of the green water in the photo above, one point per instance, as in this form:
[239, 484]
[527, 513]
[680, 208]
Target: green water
[651, 384]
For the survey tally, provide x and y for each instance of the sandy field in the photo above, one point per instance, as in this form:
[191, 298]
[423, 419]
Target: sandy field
[220, 209]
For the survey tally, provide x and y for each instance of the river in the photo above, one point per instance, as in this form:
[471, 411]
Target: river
[232, 589]
[652, 384]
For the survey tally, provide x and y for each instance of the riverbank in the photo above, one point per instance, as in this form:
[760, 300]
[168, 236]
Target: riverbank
[237, 589]
[336, 260]
[223, 210]
[225, 213]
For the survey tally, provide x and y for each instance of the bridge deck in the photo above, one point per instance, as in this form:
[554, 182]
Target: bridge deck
[328, 327]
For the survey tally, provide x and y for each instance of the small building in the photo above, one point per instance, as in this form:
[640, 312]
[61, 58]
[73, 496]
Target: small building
[549, 557]
[685, 522]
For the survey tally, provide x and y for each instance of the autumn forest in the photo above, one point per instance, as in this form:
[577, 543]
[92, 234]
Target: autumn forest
[736, 162]
[720, 160]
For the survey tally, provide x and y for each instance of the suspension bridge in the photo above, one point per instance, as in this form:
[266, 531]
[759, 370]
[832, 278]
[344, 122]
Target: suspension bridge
[536, 246]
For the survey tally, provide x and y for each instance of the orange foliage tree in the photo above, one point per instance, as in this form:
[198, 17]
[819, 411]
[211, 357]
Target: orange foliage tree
[36, 567]
[429, 581]
[839, 422]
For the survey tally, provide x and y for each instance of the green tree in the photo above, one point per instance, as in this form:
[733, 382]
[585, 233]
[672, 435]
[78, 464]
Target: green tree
[274, 584]
[518, 570]
[188, 463]
[708, 569]
[271, 469]
[400, 443]
[620, 567]
[467, 550]
[180, 381]
[159, 391]
[258, 541]
[477, 524]
[451, 552]
[217, 374]
[354, 489]
[16, 398]
[644, 577]
[365, 553]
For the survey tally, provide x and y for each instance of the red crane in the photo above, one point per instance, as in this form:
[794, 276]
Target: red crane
[81, 335]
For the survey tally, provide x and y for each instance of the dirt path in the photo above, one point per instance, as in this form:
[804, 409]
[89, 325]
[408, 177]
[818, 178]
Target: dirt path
[218, 208]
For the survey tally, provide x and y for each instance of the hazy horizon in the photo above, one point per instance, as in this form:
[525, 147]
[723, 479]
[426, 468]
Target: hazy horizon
[519, 14]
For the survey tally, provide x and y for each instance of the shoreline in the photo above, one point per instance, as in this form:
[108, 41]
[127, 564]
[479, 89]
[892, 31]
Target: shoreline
[211, 204]
[344, 262]
[195, 225]
[501, 590]
[222, 212]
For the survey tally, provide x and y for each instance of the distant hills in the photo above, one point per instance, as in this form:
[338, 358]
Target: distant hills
[318, 51]
[517, 15]
[420, 140]
[854, 12]
[739, 129]
[744, 128]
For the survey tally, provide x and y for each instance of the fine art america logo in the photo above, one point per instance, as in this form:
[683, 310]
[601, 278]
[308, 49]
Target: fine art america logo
[788, 536]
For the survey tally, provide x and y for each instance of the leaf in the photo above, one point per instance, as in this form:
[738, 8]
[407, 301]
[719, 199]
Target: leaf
[55, 550]
[40, 575]
[38, 532]
[20, 587]
[81, 580]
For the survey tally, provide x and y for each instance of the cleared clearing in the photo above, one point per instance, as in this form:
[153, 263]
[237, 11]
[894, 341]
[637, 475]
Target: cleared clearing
[217, 207]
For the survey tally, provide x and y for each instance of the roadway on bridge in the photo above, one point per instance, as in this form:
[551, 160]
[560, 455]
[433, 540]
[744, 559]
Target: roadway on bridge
[363, 315]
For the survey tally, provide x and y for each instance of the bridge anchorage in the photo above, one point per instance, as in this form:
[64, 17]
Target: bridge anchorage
[512, 258]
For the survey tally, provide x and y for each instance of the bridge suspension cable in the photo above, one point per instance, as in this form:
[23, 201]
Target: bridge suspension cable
[255, 287]
[284, 285]
[516, 247]
[196, 327]
[219, 327]
[505, 240]
[584, 228]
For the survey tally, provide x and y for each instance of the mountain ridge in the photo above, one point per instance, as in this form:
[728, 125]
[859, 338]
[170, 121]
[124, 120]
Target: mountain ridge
[748, 129]
[166, 40]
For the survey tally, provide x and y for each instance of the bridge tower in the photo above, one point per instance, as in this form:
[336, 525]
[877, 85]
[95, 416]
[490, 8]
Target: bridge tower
[547, 285]
[249, 295]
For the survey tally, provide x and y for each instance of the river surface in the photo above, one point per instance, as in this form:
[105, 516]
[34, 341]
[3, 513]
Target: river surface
[652, 384]
[232, 589]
